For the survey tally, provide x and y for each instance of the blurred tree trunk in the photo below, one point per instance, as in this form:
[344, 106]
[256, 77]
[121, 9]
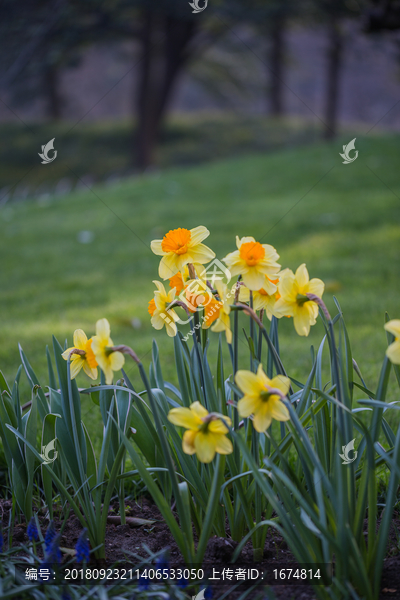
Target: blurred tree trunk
[276, 60]
[165, 49]
[334, 67]
[52, 93]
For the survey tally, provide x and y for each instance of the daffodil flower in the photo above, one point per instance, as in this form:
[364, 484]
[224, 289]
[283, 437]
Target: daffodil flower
[218, 312]
[262, 299]
[294, 302]
[180, 247]
[161, 315]
[253, 261]
[87, 361]
[393, 351]
[262, 397]
[206, 432]
[102, 346]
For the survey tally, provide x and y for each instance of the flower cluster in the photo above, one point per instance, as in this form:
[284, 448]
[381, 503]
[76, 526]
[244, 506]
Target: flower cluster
[263, 284]
[97, 351]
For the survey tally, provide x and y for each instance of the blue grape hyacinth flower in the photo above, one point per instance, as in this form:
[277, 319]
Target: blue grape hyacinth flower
[54, 554]
[32, 530]
[1, 539]
[49, 537]
[82, 547]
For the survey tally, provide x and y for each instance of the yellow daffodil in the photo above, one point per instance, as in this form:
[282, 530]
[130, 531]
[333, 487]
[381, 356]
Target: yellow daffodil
[393, 351]
[87, 360]
[108, 359]
[262, 299]
[259, 398]
[160, 315]
[206, 433]
[294, 302]
[253, 261]
[180, 247]
[218, 311]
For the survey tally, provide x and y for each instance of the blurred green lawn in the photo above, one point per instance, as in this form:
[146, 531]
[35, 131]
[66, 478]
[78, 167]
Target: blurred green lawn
[342, 220]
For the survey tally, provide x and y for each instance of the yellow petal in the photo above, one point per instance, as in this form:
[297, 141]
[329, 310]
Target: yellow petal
[282, 308]
[188, 442]
[117, 360]
[302, 320]
[184, 417]
[103, 329]
[262, 419]
[393, 353]
[248, 382]
[171, 328]
[286, 286]
[205, 446]
[155, 245]
[253, 278]
[302, 276]
[108, 373]
[160, 287]
[393, 327]
[219, 426]
[198, 410]
[243, 240]
[80, 339]
[278, 410]
[92, 373]
[316, 286]
[223, 444]
[200, 254]
[169, 265]
[198, 234]
[66, 352]
[76, 365]
[248, 405]
[281, 383]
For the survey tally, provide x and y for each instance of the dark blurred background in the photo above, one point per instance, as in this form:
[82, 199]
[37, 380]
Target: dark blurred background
[137, 83]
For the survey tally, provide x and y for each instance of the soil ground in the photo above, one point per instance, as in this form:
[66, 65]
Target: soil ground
[120, 538]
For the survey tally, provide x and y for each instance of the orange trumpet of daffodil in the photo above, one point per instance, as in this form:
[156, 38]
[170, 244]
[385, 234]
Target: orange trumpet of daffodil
[206, 432]
[87, 361]
[253, 261]
[262, 397]
[180, 247]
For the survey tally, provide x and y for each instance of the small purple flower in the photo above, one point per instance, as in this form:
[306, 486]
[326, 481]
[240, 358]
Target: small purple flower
[49, 537]
[32, 530]
[1, 538]
[82, 547]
